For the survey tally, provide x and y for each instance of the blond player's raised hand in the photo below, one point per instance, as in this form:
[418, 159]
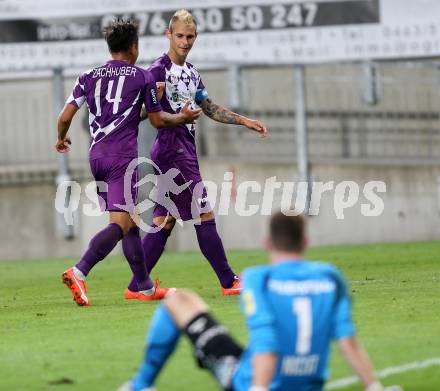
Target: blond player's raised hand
[258, 126]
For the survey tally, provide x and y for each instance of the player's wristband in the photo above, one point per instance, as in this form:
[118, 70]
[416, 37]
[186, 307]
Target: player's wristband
[376, 386]
[258, 388]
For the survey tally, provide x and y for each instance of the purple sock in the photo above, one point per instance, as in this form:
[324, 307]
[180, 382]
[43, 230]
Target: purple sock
[133, 251]
[154, 245]
[212, 248]
[99, 247]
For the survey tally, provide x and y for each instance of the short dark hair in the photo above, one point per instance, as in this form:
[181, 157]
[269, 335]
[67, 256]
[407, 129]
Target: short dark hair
[121, 34]
[287, 233]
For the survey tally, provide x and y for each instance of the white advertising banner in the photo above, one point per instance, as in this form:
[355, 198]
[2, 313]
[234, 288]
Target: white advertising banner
[58, 33]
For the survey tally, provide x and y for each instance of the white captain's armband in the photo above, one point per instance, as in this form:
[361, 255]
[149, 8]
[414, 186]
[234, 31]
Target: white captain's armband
[201, 95]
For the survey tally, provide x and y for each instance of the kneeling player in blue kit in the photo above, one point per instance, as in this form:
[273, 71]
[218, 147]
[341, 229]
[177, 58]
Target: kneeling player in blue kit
[294, 309]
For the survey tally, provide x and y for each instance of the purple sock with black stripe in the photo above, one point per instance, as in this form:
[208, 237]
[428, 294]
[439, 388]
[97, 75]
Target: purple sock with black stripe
[99, 247]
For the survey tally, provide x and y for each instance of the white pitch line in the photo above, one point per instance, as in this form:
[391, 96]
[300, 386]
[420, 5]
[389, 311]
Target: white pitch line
[348, 381]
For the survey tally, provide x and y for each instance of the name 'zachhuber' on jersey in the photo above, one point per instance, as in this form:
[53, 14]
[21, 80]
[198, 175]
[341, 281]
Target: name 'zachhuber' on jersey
[114, 94]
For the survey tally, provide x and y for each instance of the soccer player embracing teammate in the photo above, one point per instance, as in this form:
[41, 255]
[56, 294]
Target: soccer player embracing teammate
[114, 94]
[175, 148]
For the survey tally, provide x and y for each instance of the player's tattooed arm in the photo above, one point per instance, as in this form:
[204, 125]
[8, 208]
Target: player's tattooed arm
[222, 114]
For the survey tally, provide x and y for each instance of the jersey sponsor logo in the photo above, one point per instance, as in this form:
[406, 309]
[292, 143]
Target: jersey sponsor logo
[185, 78]
[300, 366]
[181, 86]
[175, 97]
[153, 96]
[182, 96]
[307, 287]
[173, 78]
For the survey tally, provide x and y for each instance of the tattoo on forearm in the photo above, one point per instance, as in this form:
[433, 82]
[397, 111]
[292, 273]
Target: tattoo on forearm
[221, 114]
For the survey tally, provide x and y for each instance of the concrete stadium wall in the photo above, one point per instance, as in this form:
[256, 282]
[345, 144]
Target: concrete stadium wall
[411, 206]
[411, 211]
[28, 225]
[412, 201]
[404, 123]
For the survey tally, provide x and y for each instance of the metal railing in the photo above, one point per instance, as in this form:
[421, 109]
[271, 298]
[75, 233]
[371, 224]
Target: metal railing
[403, 127]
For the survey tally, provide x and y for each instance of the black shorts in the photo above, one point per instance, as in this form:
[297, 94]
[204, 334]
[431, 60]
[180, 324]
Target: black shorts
[214, 348]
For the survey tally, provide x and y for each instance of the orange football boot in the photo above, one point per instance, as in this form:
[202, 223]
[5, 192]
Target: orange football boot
[129, 295]
[235, 289]
[77, 287]
[159, 293]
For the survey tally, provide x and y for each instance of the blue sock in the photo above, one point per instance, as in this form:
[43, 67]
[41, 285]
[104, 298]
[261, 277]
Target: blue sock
[161, 341]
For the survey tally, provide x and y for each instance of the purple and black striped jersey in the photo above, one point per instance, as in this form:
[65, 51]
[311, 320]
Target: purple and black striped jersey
[114, 94]
[181, 84]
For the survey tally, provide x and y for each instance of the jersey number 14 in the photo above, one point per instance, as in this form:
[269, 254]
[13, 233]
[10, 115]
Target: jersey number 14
[108, 97]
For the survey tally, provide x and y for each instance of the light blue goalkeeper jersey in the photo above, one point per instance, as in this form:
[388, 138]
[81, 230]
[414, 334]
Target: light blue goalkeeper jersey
[295, 309]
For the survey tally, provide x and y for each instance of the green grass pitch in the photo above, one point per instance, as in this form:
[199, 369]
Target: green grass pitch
[48, 343]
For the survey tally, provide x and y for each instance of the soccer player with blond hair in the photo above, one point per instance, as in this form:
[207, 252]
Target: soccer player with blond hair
[114, 94]
[175, 148]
